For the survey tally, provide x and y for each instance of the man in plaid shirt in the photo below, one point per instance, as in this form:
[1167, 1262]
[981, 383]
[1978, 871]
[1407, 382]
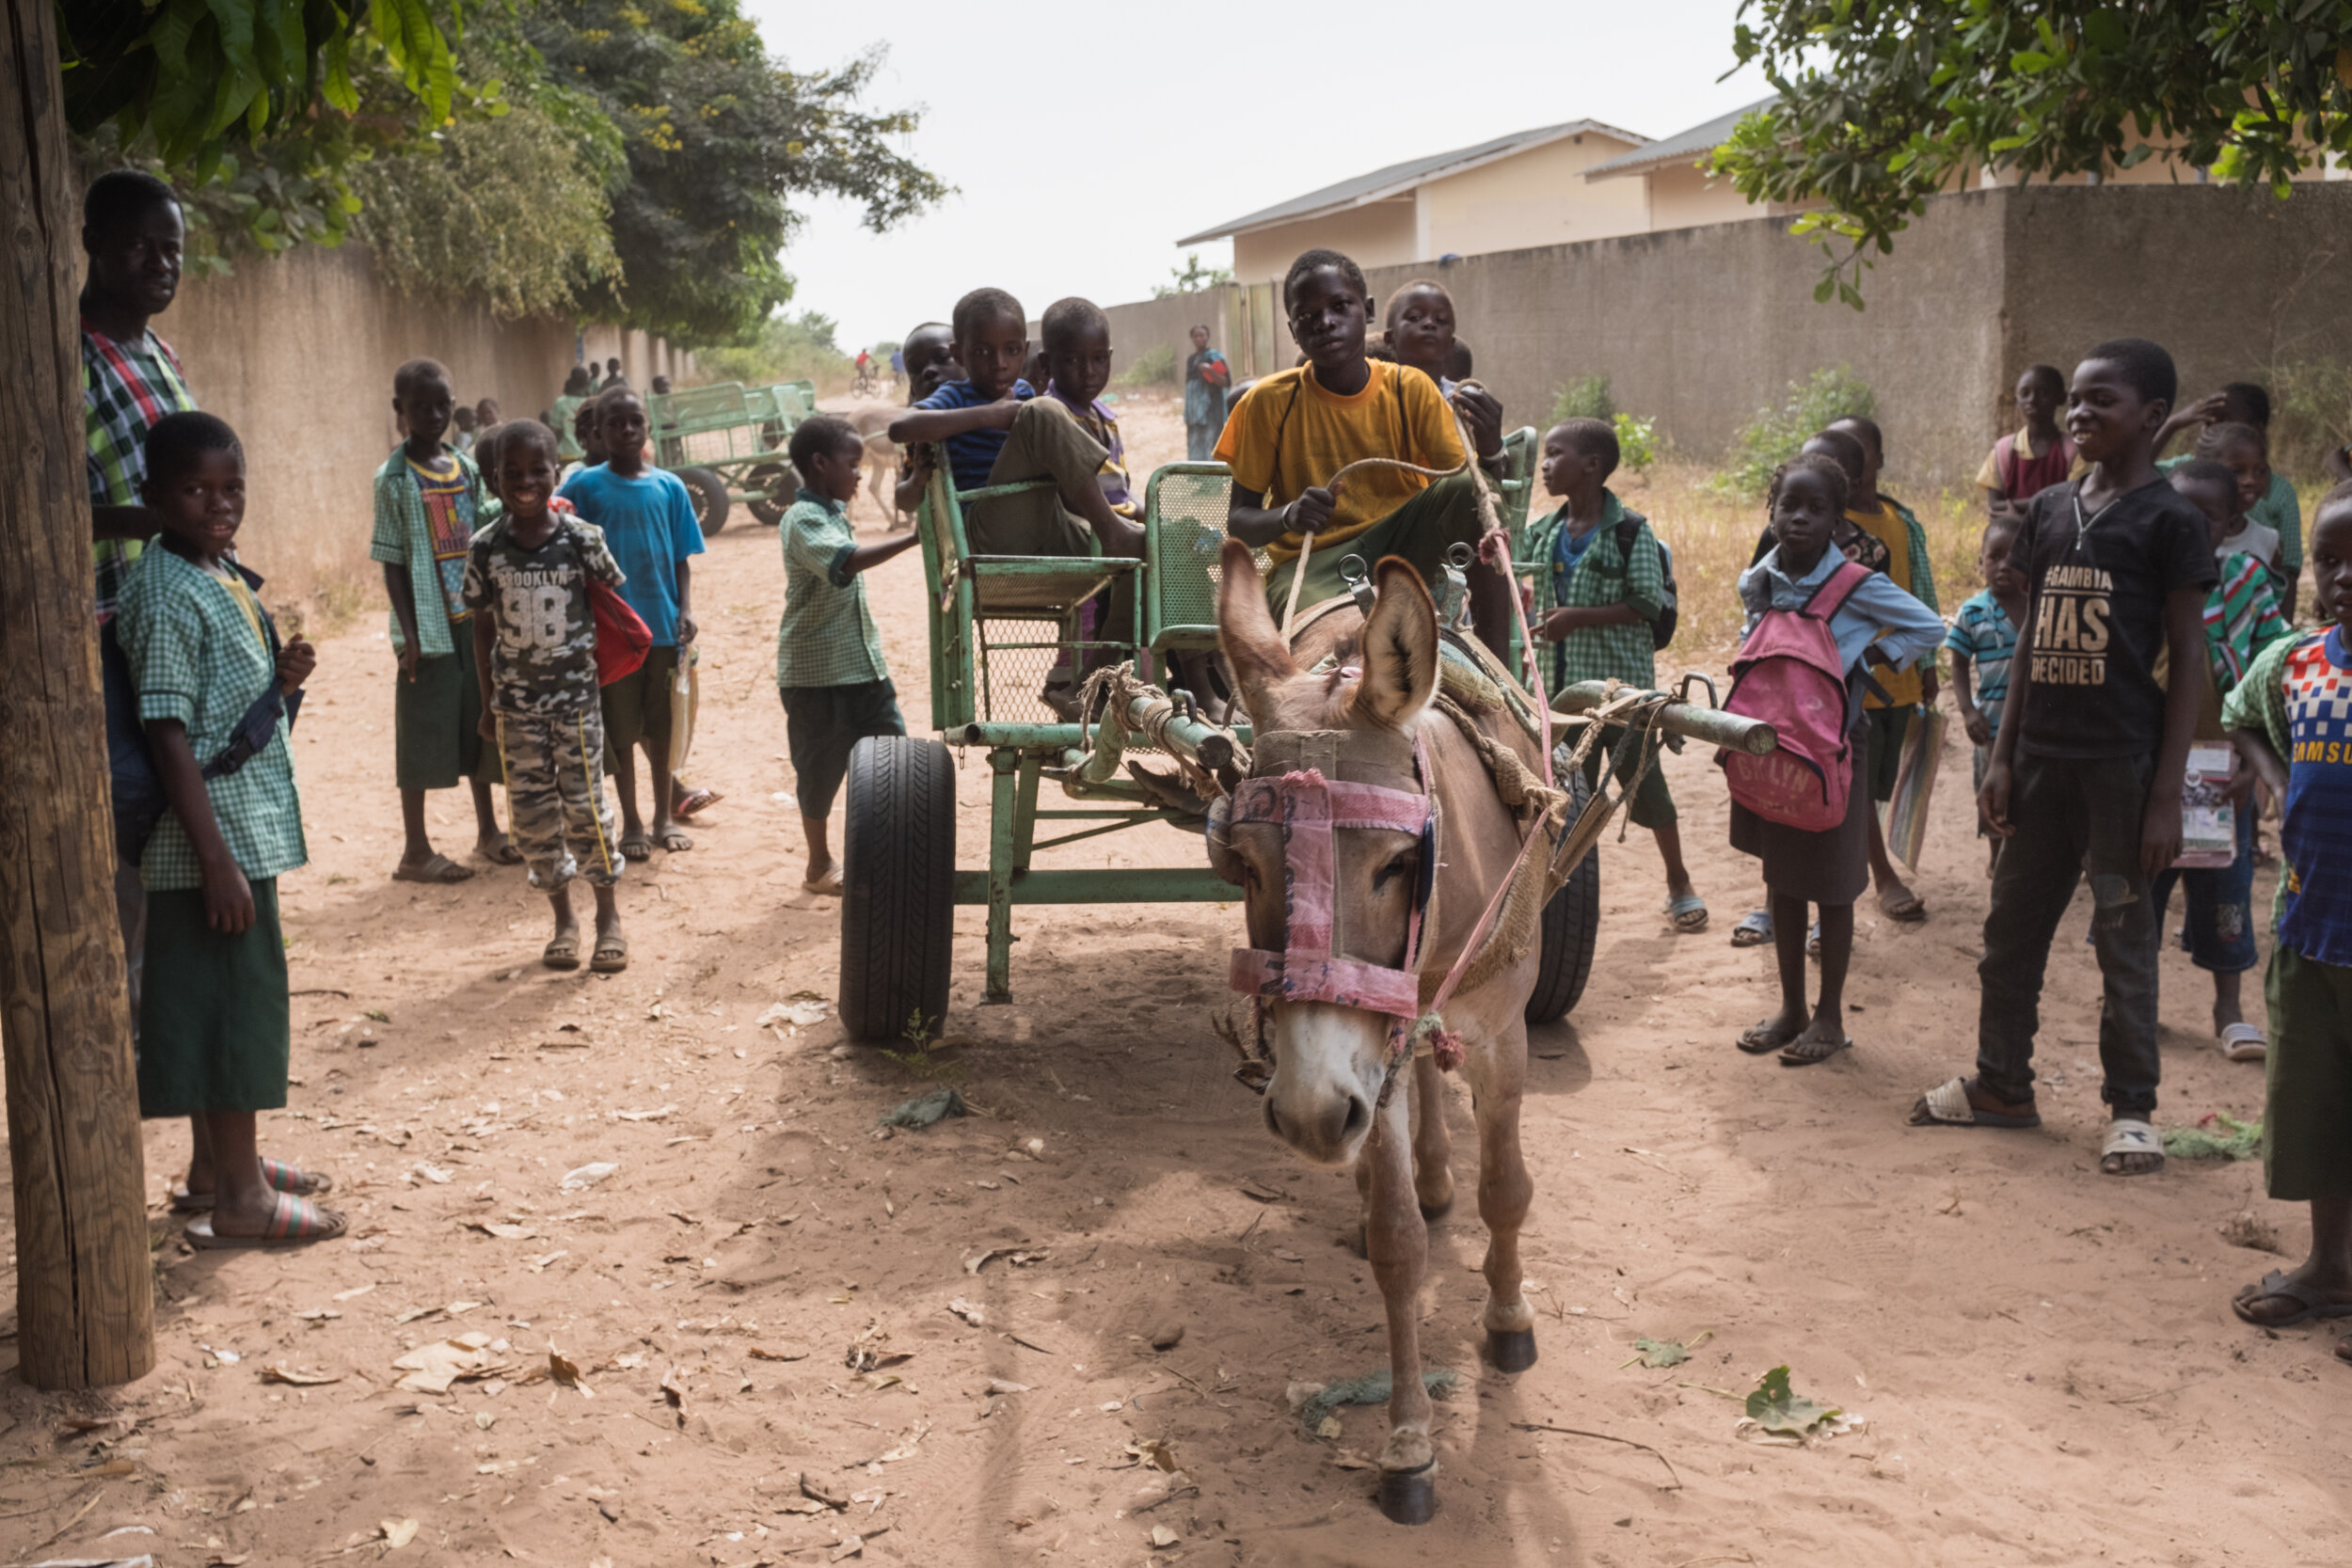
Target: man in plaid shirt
[1609, 582]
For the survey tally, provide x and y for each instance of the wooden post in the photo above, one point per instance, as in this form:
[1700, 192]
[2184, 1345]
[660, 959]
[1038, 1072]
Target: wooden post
[84, 1293]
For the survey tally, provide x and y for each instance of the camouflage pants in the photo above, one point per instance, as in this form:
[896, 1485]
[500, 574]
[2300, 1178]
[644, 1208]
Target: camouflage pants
[556, 808]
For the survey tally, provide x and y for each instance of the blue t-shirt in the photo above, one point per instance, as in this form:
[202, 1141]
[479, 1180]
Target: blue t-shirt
[2315, 828]
[971, 454]
[648, 524]
[1981, 633]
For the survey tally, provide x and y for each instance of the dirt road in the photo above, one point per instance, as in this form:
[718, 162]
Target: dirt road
[2042, 1358]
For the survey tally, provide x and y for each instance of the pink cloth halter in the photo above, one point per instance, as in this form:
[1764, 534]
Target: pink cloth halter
[1310, 809]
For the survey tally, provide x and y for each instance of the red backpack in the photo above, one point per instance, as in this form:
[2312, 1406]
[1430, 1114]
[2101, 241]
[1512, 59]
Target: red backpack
[1789, 674]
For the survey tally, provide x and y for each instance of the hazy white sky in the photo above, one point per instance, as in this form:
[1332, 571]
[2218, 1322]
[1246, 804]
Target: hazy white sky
[1084, 139]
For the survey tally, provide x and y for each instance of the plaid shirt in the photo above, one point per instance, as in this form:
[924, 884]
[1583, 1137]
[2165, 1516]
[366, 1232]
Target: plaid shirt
[1922, 583]
[125, 388]
[404, 537]
[1602, 576]
[827, 636]
[2241, 620]
[196, 658]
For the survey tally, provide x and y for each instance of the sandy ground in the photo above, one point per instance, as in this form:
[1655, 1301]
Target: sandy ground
[2044, 1357]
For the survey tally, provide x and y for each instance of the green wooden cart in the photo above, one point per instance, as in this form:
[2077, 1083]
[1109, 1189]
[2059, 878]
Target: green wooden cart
[727, 442]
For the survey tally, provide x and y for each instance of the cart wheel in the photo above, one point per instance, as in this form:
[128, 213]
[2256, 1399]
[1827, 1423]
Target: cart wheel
[1571, 927]
[898, 873]
[708, 490]
[766, 479]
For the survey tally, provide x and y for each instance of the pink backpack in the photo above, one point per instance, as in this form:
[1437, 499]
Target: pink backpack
[1789, 674]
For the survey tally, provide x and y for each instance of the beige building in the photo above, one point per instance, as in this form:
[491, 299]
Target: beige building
[1509, 194]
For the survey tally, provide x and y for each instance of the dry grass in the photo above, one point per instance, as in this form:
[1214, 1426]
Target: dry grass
[1713, 537]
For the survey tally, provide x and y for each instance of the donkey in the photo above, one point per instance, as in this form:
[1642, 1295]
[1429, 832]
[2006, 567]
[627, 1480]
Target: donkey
[1391, 924]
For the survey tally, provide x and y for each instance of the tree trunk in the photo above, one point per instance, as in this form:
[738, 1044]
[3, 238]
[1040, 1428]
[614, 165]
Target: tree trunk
[85, 1294]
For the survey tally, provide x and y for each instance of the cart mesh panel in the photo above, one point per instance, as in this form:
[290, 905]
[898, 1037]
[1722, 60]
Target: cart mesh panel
[1188, 503]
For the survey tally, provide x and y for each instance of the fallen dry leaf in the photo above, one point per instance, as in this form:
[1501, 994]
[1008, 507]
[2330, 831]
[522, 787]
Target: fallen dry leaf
[674, 1388]
[821, 1494]
[278, 1371]
[398, 1532]
[1163, 1536]
[780, 1353]
[969, 1311]
[566, 1372]
[999, 1385]
[356, 1291]
[642, 1115]
[503, 1231]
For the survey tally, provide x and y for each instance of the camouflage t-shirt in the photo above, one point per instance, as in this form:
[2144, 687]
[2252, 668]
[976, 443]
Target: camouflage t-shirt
[544, 660]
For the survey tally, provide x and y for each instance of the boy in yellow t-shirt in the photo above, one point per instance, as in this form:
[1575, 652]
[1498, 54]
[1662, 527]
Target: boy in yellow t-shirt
[1295, 430]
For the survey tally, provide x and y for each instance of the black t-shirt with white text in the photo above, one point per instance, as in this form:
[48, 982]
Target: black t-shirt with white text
[2097, 621]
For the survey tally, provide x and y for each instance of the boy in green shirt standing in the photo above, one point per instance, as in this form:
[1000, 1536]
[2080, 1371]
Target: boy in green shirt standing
[429, 500]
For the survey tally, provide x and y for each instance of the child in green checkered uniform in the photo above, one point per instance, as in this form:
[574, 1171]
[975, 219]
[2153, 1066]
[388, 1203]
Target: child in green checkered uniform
[1607, 596]
[830, 671]
[527, 583]
[214, 1023]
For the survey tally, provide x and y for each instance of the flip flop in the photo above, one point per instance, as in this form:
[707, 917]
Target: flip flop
[1688, 912]
[560, 953]
[1765, 1038]
[1754, 930]
[1803, 1053]
[1948, 1106]
[2243, 1042]
[1813, 940]
[295, 1222]
[696, 800]
[826, 886]
[611, 954]
[636, 846]
[2131, 1136]
[501, 853]
[280, 1175]
[438, 871]
[1898, 903]
[2310, 1302]
[673, 839]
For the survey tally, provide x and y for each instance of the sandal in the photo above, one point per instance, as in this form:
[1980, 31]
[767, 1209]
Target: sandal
[2309, 1303]
[1813, 940]
[499, 851]
[1948, 1106]
[695, 800]
[825, 886]
[1899, 904]
[671, 839]
[636, 846]
[438, 870]
[1802, 1052]
[280, 1175]
[1688, 912]
[562, 952]
[1767, 1036]
[611, 954]
[1754, 930]
[2127, 1136]
[2243, 1042]
[294, 1222]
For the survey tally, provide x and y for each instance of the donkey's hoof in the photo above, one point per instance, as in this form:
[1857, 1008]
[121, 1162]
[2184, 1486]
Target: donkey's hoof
[1410, 1497]
[1510, 1349]
[1432, 1213]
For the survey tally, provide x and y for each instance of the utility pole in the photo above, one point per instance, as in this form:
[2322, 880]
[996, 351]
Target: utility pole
[86, 1312]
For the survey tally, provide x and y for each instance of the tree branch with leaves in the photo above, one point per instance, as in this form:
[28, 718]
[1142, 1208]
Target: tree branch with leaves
[1882, 105]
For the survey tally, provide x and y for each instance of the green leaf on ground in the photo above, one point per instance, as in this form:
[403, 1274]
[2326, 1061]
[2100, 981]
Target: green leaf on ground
[1776, 1408]
[1662, 1353]
[2218, 1136]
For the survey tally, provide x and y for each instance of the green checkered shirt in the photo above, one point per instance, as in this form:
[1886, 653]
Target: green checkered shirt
[404, 537]
[1922, 583]
[827, 636]
[126, 386]
[195, 658]
[1602, 575]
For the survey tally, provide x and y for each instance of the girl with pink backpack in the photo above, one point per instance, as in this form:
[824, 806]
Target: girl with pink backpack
[1812, 618]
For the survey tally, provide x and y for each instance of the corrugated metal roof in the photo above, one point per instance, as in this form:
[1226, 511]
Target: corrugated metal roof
[1682, 147]
[1397, 179]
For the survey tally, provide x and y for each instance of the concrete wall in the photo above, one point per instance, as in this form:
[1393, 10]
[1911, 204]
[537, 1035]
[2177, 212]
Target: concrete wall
[297, 352]
[1700, 328]
[1167, 323]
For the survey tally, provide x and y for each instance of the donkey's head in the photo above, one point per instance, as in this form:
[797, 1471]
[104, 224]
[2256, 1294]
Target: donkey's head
[1331, 841]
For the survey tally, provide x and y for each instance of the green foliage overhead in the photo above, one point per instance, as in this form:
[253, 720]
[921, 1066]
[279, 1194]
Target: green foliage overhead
[1883, 103]
[787, 348]
[1192, 279]
[721, 142]
[1776, 433]
[249, 108]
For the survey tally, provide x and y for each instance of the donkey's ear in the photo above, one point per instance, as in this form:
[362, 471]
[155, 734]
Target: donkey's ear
[1400, 648]
[1244, 627]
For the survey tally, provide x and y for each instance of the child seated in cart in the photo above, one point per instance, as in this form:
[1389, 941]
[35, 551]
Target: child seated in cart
[1287, 440]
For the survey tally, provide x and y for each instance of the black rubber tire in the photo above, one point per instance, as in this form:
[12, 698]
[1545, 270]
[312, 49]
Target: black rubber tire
[768, 477]
[1571, 929]
[708, 490]
[897, 903]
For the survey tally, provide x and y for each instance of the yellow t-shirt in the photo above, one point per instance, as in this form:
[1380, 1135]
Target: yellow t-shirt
[1887, 527]
[1289, 436]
